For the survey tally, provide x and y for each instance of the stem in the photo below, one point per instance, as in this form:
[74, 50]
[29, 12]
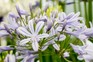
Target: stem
[40, 56]
[41, 4]
[86, 14]
[74, 6]
[90, 10]
[79, 7]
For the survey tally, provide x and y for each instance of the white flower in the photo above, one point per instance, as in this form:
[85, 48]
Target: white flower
[33, 35]
[5, 48]
[12, 23]
[29, 58]
[10, 58]
[3, 33]
[68, 19]
[66, 54]
[85, 52]
[55, 45]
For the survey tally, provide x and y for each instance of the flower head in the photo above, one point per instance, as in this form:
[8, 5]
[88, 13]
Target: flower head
[33, 35]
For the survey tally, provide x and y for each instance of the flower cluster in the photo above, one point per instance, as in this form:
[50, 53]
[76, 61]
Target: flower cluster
[38, 33]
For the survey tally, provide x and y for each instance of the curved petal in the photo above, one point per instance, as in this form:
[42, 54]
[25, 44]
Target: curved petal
[3, 33]
[43, 35]
[10, 58]
[62, 37]
[24, 41]
[56, 46]
[62, 16]
[70, 15]
[53, 32]
[66, 54]
[35, 45]
[39, 26]
[75, 16]
[31, 26]
[23, 31]
[80, 57]
[45, 46]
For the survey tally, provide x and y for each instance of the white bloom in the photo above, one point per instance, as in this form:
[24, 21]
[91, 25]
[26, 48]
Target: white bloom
[33, 35]
[5, 48]
[66, 54]
[55, 45]
[3, 33]
[85, 52]
[10, 58]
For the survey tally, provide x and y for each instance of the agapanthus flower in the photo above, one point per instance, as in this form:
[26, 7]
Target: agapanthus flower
[29, 58]
[21, 12]
[55, 45]
[5, 48]
[85, 52]
[33, 35]
[4, 31]
[10, 58]
[25, 54]
[12, 22]
[78, 34]
[71, 19]
[88, 32]
[66, 54]
[12, 15]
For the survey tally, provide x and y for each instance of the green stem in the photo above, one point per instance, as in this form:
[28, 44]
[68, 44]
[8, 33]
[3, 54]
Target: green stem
[86, 15]
[90, 10]
[74, 6]
[40, 56]
[79, 7]
[41, 4]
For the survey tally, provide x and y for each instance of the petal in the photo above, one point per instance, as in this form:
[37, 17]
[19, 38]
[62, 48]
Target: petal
[82, 37]
[75, 17]
[35, 45]
[62, 16]
[88, 57]
[39, 26]
[62, 37]
[20, 11]
[44, 47]
[56, 46]
[23, 31]
[88, 32]
[31, 26]
[66, 54]
[53, 32]
[3, 33]
[80, 57]
[10, 58]
[59, 28]
[24, 41]
[49, 25]
[70, 15]
[31, 58]
[43, 35]
[5, 48]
